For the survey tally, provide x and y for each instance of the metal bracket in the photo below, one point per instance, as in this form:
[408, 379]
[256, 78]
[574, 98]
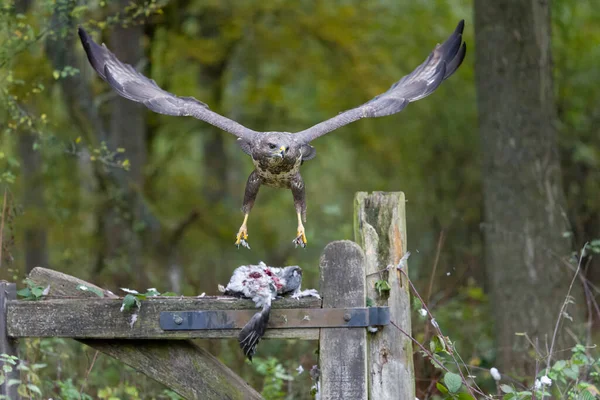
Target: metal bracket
[280, 318]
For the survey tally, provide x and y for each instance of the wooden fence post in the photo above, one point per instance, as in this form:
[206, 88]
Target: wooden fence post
[342, 351]
[8, 291]
[380, 229]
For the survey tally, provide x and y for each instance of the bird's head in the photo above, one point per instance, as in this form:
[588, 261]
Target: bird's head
[277, 146]
[291, 278]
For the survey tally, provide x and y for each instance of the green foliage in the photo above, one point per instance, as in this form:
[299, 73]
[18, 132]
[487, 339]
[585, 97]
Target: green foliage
[33, 291]
[133, 299]
[275, 377]
[28, 384]
[382, 286]
[68, 391]
[451, 387]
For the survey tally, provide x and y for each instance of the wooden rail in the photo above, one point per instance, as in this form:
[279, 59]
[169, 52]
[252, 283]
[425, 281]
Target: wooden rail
[354, 364]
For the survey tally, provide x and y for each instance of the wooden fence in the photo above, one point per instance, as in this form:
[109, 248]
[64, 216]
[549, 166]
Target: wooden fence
[354, 362]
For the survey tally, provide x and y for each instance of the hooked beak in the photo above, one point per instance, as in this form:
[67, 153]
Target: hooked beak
[282, 151]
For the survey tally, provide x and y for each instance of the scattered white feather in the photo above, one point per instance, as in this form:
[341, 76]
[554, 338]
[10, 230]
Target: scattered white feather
[133, 319]
[403, 263]
[221, 288]
[131, 291]
[306, 293]
[495, 373]
[372, 329]
[201, 295]
[423, 312]
[300, 369]
[434, 323]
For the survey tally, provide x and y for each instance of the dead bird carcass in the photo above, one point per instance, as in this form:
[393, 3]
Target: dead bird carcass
[262, 284]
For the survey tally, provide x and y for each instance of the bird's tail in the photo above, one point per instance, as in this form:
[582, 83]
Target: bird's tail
[253, 331]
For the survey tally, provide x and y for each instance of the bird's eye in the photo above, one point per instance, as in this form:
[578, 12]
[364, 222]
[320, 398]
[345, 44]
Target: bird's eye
[272, 146]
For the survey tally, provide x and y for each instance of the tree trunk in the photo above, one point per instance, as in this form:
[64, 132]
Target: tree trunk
[36, 251]
[124, 216]
[35, 240]
[523, 196]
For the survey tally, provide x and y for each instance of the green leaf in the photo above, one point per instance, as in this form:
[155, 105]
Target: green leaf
[507, 389]
[441, 388]
[129, 302]
[382, 286]
[7, 368]
[37, 291]
[465, 396]
[12, 382]
[453, 382]
[559, 365]
[572, 372]
[25, 292]
[34, 388]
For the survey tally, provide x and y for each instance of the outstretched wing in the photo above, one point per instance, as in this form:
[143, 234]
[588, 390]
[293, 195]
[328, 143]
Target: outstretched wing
[441, 63]
[134, 86]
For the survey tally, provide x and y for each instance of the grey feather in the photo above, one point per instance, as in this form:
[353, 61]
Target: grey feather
[134, 86]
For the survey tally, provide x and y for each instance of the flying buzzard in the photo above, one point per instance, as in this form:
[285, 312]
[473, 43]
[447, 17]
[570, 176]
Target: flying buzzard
[277, 156]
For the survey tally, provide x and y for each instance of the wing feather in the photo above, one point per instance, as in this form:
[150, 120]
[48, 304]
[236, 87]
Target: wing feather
[132, 85]
[443, 61]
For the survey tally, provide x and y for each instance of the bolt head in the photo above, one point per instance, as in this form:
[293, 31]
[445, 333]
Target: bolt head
[347, 317]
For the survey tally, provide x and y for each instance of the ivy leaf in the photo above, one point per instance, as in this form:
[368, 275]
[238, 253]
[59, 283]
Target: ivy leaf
[453, 382]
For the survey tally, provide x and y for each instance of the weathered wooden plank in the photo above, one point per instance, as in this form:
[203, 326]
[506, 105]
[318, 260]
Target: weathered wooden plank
[8, 291]
[342, 351]
[380, 229]
[96, 318]
[179, 364]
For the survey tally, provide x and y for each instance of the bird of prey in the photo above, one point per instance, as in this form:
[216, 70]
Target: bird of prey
[262, 284]
[277, 156]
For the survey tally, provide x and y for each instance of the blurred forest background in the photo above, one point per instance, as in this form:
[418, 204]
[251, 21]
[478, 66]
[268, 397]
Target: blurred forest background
[103, 189]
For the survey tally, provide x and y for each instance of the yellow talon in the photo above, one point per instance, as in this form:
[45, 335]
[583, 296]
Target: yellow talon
[301, 235]
[242, 235]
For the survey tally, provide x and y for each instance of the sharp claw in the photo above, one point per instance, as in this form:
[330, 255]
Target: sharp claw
[242, 242]
[300, 241]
